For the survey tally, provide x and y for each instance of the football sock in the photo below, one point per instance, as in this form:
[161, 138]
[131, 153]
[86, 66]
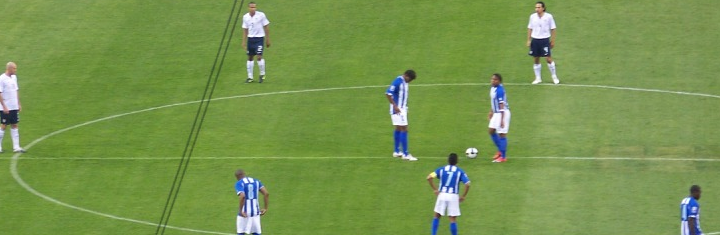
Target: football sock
[250, 67]
[397, 141]
[2, 134]
[261, 65]
[15, 134]
[435, 225]
[496, 139]
[537, 68]
[453, 228]
[551, 66]
[404, 141]
[503, 146]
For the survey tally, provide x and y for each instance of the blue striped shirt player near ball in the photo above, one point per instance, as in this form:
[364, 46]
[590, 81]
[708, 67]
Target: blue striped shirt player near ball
[248, 190]
[690, 213]
[397, 95]
[499, 117]
[448, 192]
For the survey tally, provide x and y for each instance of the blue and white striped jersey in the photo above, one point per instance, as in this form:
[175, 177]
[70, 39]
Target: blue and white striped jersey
[399, 91]
[689, 208]
[251, 188]
[498, 96]
[450, 177]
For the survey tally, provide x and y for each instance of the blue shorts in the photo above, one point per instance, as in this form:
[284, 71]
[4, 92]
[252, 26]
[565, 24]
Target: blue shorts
[10, 118]
[255, 46]
[540, 47]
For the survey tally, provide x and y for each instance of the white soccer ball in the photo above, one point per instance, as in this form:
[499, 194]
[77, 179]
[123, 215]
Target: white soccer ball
[471, 152]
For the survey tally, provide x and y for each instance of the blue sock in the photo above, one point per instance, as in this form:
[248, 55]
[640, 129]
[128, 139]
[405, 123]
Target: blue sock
[503, 146]
[397, 141]
[453, 228]
[404, 141]
[435, 225]
[496, 139]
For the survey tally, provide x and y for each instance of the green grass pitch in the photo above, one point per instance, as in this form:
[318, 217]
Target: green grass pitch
[587, 157]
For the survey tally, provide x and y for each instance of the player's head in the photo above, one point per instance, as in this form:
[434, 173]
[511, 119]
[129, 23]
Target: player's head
[695, 191]
[252, 7]
[239, 174]
[409, 75]
[540, 7]
[496, 79]
[10, 68]
[453, 159]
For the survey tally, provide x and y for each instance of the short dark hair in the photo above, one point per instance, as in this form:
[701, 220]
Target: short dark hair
[498, 76]
[694, 188]
[250, 3]
[411, 74]
[542, 4]
[453, 159]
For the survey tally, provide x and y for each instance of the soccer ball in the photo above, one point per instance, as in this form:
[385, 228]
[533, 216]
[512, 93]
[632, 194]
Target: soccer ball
[471, 152]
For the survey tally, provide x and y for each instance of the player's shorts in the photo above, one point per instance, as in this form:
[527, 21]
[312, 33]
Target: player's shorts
[399, 119]
[11, 118]
[449, 202]
[248, 225]
[495, 122]
[255, 46]
[540, 47]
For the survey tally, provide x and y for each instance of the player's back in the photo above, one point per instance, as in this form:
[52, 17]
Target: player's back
[689, 208]
[250, 187]
[450, 177]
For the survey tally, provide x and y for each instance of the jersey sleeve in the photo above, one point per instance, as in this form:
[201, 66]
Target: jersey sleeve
[693, 209]
[552, 23]
[260, 184]
[464, 178]
[393, 87]
[265, 21]
[500, 94]
[530, 22]
[239, 188]
[245, 24]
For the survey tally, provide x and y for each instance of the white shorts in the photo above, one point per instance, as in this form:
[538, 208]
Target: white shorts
[400, 119]
[248, 225]
[495, 122]
[449, 202]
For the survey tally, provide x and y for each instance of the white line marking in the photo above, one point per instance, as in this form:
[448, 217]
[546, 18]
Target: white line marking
[370, 157]
[16, 157]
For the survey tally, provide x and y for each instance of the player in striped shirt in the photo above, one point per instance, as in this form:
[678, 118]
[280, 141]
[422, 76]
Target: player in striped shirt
[499, 117]
[248, 219]
[397, 94]
[690, 213]
[448, 193]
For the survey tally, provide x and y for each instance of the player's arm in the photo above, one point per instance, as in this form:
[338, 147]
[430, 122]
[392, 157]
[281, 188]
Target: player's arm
[501, 106]
[431, 181]
[267, 35]
[396, 109]
[18, 99]
[691, 225]
[552, 38]
[527, 44]
[244, 38]
[241, 195]
[2, 102]
[467, 189]
[266, 197]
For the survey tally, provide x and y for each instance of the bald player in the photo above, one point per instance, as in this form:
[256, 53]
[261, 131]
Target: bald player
[10, 106]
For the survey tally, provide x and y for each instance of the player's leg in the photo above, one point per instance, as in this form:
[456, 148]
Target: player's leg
[261, 65]
[256, 229]
[551, 66]
[453, 225]
[492, 130]
[2, 131]
[435, 223]
[396, 152]
[15, 134]
[251, 52]
[453, 212]
[403, 125]
[535, 51]
[240, 221]
[440, 209]
[502, 134]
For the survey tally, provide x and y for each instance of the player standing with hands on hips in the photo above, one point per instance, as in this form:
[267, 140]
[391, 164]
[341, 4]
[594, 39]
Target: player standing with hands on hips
[499, 117]
[11, 107]
[256, 36]
[248, 190]
[448, 192]
[541, 39]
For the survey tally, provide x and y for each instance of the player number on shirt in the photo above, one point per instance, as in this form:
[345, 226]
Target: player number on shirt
[449, 178]
[251, 192]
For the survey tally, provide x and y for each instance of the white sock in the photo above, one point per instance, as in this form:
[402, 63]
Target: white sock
[250, 67]
[2, 134]
[551, 66]
[261, 64]
[15, 138]
[537, 68]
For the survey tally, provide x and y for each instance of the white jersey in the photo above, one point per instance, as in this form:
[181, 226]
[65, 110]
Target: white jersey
[254, 24]
[541, 26]
[8, 90]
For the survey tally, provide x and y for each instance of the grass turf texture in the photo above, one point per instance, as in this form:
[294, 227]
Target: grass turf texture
[84, 60]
